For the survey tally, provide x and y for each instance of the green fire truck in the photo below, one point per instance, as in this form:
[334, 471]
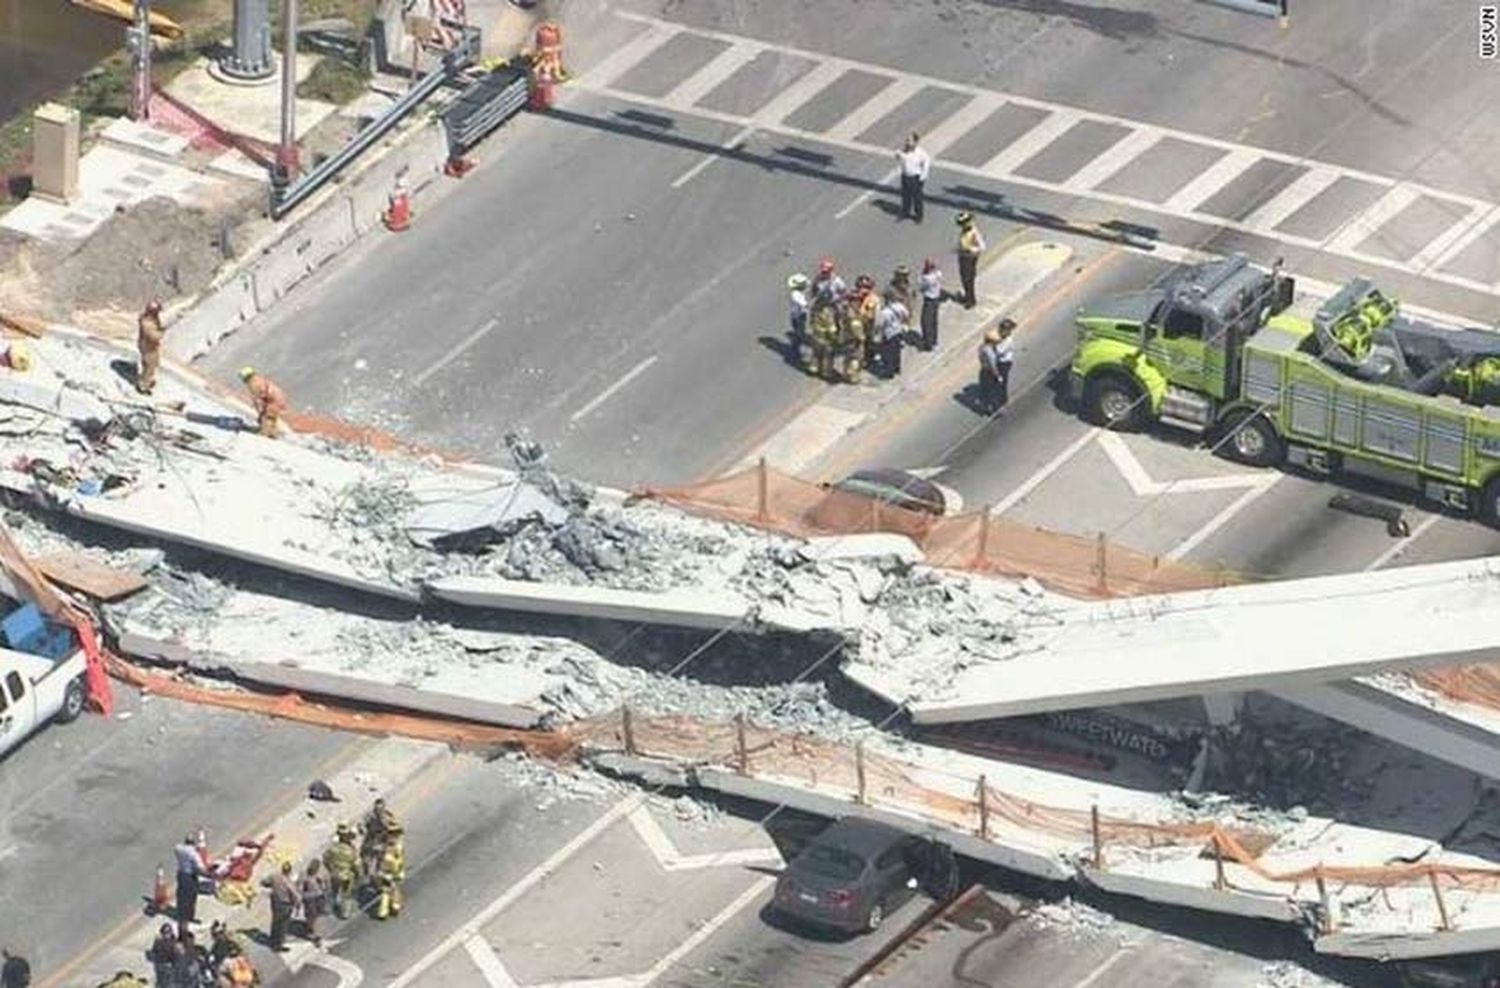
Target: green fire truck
[1360, 388]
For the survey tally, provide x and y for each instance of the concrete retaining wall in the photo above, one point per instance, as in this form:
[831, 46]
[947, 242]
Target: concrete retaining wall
[346, 210]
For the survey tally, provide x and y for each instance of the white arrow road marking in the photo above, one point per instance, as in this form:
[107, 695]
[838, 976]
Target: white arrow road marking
[348, 972]
[1143, 485]
[671, 859]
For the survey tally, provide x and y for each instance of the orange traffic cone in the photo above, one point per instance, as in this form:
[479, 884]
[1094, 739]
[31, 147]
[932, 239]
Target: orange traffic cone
[398, 212]
[161, 897]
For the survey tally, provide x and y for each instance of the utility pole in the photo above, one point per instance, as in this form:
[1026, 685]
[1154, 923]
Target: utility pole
[249, 57]
[285, 168]
[138, 43]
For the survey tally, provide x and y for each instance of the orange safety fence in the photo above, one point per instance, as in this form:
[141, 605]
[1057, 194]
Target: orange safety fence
[976, 541]
[884, 780]
[290, 706]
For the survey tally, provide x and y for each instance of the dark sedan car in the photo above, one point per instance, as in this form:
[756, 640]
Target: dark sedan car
[852, 875]
[897, 487]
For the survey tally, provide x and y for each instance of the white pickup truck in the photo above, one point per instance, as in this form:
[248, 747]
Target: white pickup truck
[36, 690]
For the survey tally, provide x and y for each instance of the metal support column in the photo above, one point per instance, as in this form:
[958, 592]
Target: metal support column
[285, 169]
[138, 44]
[250, 57]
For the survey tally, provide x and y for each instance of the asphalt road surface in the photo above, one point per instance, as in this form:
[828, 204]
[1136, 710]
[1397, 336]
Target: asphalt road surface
[605, 279]
[89, 810]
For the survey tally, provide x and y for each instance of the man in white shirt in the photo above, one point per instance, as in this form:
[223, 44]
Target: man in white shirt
[996, 355]
[915, 164]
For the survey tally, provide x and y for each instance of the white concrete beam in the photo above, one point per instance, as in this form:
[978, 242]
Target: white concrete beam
[683, 608]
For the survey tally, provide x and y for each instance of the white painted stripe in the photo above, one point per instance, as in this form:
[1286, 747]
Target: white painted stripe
[1103, 968]
[809, 84]
[532, 878]
[631, 53]
[1161, 249]
[1048, 469]
[1401, 545]
[1303, 190]
[1028, 144]
[739, 138]
[1484, 225]
[960, 122]
[1213, 178]
[1106, 164]
[1142, 484]
[1223, 518]
[723, 65]
[886, 181]
[671, 859]
[901, 89]
[489, 963]
[708, 929]
[349, 974]
[453, 354]
[1442, 244]
[605, 395]
[1356, 230]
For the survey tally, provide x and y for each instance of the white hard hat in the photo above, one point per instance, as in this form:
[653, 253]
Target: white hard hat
[797, 281]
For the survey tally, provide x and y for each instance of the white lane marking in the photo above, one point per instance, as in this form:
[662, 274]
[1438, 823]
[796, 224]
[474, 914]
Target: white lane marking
[723, 65]
[1440, 245]
[804, 88]
[1114, 159]
[886, 181]
[1367, 223]
[1020, 150]
[1302, 190]
[1213, 178]
[349, 973]
[1104, 966]
[489, 963]
[608, 392]
[1048, 469]
[868, 113]
[532, 878]
[631, 53]
[708, 929]
[1473, 233]
[1159, 248]
[1401, 545]
[671, 859]
[1223, 518]
[454, 353]
[1142, 484]
[961, 121]
[734, 142]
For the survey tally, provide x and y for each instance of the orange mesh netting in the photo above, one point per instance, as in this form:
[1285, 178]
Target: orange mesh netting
[977, 541]
[886, 781]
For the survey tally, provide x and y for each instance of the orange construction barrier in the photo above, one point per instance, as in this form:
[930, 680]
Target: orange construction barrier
[161, 895]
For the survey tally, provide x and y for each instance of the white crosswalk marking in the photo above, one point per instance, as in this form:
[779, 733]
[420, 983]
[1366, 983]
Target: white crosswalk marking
[624, 58]
[1028, 144]
[489, 963]
[1122, 153]
[1355, 227]
[1452, 241]
[1203, 185]
[723, 65]
[1386, 208]
[1303, 190]
[791, 99]
[877, 106]
[966, 118]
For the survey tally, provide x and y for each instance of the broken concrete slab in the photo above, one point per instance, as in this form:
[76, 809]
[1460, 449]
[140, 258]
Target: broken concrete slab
[680, 608]
[456, 698]
[481, 515]
[1265, 636]
[874, 547]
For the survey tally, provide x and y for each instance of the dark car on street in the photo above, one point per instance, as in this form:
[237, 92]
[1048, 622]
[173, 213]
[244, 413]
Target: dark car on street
[851, 876]
[897, 487]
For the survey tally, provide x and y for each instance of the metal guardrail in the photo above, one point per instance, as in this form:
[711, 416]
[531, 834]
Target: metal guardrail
[285, 198]
[483, 106]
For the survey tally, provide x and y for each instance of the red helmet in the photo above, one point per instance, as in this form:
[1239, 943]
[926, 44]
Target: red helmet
[825, 266]
[864, 281]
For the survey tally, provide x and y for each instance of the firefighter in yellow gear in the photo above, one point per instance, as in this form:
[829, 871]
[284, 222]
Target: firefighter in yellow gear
[342, 861]
[823, 335]
[391, 873]
[864, 305]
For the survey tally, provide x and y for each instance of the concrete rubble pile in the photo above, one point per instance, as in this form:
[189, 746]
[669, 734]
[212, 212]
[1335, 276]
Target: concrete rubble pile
[349, 549]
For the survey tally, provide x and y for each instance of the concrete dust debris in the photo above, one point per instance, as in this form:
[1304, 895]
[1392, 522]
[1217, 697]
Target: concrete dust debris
[1072, 919]
[1285, 974]
[553, 784]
